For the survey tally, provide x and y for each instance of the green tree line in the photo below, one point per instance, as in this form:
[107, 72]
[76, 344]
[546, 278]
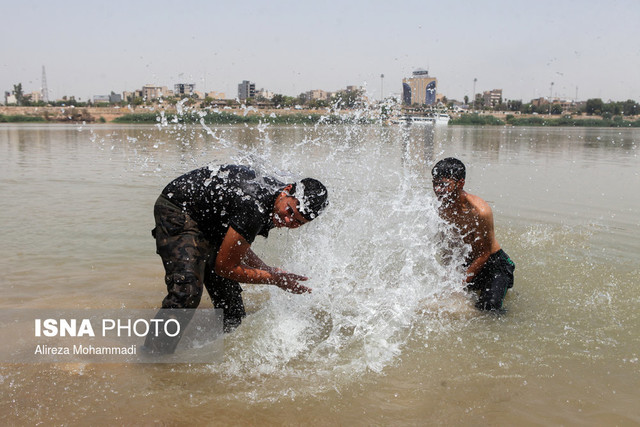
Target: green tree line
[592, 107]
[567, 121]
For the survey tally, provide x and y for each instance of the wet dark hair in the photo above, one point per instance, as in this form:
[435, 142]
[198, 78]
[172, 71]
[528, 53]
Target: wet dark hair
[449, 168]
[312, 197]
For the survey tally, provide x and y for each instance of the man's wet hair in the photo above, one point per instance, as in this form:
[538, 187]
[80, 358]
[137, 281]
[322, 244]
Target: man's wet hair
[451, 168]
[312, 197]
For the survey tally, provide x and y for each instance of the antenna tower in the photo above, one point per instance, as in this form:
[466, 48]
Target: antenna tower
[45, 90]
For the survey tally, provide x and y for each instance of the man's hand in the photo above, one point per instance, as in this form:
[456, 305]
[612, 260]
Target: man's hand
[289, 281]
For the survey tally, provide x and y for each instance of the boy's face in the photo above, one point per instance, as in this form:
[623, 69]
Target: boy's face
[447, 189]
[286, 213]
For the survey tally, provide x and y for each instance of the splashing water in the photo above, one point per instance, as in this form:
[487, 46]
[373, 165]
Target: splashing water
[372, 256]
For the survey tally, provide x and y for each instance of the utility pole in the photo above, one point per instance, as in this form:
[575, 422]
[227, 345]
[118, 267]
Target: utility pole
[381, 87]
[550, 96]
[474, 93]
[45, 90]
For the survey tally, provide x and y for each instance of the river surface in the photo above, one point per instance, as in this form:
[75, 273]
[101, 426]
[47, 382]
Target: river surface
[387, 336]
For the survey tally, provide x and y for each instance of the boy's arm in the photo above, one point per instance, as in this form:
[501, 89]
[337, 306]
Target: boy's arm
[253, 260]
[231, 262]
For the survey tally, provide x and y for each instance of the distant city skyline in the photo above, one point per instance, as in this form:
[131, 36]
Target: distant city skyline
[529, 50]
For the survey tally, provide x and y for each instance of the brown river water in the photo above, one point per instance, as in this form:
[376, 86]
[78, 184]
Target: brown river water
[387, 337]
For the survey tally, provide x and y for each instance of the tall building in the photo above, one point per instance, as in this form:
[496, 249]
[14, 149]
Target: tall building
[492, 98]
[10, 99]
[318, 94]
[419, 89]
[246, 89]
[153, 92]
[184, 89]
[264, 93]
[34, 96]
[115, 98]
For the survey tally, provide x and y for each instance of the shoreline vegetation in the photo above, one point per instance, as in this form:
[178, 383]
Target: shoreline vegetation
[88, 115]
[18, 118]
[213, 118]
[567, 121]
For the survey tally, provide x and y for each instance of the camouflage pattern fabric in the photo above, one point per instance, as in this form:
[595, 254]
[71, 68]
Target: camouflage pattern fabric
[189, 263]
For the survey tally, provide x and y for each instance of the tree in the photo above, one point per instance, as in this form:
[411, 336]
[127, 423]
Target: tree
[466, 100]
[630, 108]
[514, 105]
[317, 103]
[280, 100]
[594, 106]
[349, 98]
[479, 101]
[527, 108]
[17, 92]
[612, 109]
[501, 106]
[542, 108]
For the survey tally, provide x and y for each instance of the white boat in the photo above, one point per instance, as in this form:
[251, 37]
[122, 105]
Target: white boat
[429, 119]
[442, 118]
[416, 120]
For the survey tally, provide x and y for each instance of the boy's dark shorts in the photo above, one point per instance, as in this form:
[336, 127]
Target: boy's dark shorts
[493, 281]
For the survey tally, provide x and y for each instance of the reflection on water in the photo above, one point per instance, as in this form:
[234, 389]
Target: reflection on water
[387, 336]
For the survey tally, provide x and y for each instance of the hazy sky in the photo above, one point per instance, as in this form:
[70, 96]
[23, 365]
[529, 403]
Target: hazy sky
[91, 48]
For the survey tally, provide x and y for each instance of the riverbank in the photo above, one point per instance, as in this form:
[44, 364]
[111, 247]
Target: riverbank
[251, 115]
[220, 118]
[537, 120]
[152, 115]
[67, 114]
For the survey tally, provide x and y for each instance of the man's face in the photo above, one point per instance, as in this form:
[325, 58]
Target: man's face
[286, 214]
[446, 189]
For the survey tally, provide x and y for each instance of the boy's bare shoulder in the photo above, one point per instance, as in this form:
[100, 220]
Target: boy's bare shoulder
[480, 206]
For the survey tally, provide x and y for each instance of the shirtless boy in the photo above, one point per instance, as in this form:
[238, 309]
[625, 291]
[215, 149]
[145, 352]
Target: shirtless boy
[489, 268]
